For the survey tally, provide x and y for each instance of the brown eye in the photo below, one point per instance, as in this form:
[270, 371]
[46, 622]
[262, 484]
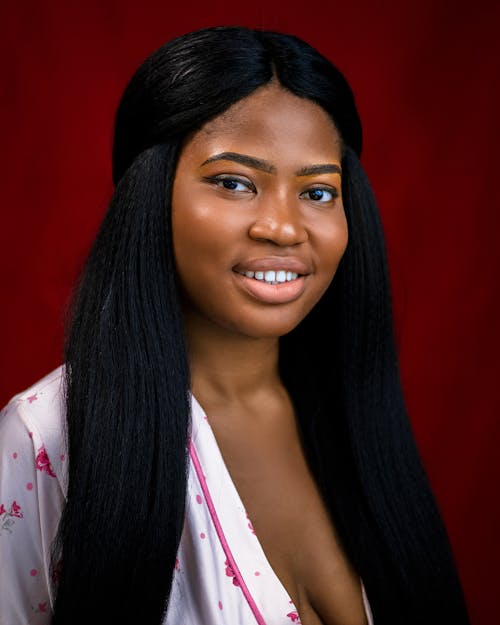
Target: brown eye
[232, 184]
[321, 195]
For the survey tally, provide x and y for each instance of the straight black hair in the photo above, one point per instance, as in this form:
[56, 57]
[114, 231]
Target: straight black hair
[127, 374]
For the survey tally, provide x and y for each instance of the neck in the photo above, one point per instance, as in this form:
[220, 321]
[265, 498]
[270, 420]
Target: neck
[228, 366]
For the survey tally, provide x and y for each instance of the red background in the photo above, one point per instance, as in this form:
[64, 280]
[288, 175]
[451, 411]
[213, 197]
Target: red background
[425, 78]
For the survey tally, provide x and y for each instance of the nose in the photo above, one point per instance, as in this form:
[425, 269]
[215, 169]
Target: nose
[279, 222]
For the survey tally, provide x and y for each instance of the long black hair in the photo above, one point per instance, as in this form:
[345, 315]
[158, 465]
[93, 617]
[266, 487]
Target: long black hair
[127, 374]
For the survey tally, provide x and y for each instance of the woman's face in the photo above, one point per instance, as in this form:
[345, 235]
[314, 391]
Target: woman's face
[257, 215]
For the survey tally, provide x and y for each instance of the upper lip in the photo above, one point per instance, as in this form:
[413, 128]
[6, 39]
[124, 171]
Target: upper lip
[287, 263]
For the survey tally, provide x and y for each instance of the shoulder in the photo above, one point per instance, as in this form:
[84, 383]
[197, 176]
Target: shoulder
[32, 487]
[42, 393]
[35, 419]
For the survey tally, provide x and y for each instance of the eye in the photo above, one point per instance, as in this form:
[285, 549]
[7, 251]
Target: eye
[231, 183]
[321, 195]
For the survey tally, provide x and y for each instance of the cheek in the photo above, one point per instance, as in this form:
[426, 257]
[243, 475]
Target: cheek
[204, 232]
[191, 222]
[185, 234]
[332, 242]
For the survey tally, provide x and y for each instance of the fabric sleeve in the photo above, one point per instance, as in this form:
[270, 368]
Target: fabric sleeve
[30, 506]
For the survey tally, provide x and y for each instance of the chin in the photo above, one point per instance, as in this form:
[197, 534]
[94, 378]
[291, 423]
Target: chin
[265, 329]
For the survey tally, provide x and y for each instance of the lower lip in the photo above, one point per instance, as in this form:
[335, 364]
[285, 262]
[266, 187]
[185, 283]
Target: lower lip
[281, 293]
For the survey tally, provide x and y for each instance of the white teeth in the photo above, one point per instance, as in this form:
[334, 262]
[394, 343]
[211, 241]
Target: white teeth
[272, 277]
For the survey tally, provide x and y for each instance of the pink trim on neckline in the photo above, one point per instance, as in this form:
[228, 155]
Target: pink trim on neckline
[220, 532]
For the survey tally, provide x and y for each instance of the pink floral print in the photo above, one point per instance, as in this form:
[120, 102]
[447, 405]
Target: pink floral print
[41, 607]
[250, 526]
[43, 462]
[230, 573]
[8, 517]
[294, 615]
[15, 510]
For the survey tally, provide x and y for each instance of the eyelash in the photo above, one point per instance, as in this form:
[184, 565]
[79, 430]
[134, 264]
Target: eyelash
[331, 190]
[219, 180]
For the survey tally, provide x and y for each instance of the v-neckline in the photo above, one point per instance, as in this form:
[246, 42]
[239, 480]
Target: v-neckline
[247, 533]
[200, 420]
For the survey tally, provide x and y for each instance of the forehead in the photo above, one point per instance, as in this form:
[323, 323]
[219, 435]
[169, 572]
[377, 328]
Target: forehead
[274, 124]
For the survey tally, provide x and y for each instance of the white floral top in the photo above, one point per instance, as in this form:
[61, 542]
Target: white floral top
[222, 575]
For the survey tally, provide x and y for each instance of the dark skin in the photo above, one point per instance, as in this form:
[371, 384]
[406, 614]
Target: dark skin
[281, 209]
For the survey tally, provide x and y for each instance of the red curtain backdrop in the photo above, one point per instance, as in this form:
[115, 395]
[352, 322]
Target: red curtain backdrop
[425, 78]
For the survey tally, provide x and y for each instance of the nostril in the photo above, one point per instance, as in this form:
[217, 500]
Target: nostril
[283, 233]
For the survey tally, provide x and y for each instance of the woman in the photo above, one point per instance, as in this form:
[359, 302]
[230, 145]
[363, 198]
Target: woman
[238, 448]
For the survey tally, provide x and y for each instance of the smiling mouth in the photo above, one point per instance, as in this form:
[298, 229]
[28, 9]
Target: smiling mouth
[271, 277]
[272, 287]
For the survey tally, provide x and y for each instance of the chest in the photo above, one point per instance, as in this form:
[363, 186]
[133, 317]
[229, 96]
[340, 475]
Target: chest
[286, 511]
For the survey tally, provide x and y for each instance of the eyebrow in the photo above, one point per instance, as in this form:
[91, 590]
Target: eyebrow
[325, 168]
[262, 165]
